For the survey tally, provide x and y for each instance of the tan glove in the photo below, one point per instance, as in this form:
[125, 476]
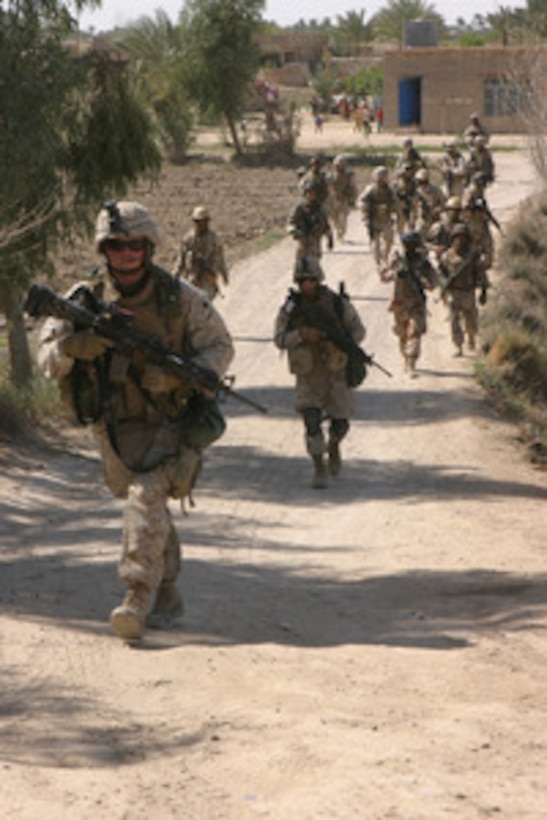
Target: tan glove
[156, 380]
[86, 345]
[311, 335]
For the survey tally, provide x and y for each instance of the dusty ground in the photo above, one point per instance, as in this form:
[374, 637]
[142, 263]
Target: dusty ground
[372, 651]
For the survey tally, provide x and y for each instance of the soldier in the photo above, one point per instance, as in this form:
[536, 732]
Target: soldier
[309, 223]
[317, 176]
[412, 274]
[480, 160]
[439, 236]
[380, 208]
[475, 129]
[453, 168]
[477, 215]
[411, 155]
[139, 426]
[430, 202]
[343, 194]
[201, 255]
[461, 273]
[320, 366]
[405, 190]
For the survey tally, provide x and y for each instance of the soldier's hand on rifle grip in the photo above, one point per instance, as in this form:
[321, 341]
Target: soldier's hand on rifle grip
[156, 380]
[311, 335]
[85, 345]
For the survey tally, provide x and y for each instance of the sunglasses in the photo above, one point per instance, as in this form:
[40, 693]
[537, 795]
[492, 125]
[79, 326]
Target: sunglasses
[126, 244]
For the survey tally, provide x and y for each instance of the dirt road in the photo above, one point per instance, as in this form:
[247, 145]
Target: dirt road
[374, 650]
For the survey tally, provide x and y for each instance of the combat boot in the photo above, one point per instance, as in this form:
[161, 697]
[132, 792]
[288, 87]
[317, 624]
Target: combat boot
[128, 619]
[319, 480]
[167, 606]
[410, 366]
[335, 459]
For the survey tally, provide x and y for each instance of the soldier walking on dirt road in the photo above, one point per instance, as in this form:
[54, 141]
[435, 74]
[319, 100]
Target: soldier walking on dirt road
[412, 274]
[320, 366]
[201, 255]
[137, 409]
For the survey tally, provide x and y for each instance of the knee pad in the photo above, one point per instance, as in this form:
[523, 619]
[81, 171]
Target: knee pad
[312, 421]
[338, 429]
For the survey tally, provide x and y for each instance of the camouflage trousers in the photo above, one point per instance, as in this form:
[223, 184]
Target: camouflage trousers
[151, 551]
[409, 326]
[463, 307]
[339, 214]
[382, 242]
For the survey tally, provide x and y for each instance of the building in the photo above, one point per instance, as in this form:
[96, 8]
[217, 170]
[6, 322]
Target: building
[434, 90]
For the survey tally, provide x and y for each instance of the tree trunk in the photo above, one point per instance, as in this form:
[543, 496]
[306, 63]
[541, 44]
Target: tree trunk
[234, 135]
[19, 352]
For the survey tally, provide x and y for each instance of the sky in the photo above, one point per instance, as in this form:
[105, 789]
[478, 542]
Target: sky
[283, 12]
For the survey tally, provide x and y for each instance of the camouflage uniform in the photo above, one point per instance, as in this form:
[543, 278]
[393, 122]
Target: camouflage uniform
[309, 223]
[143, 457]
[319, 365]
[381, 209]
[453, 168]
[317, 177]
[410, 156]
[461, 272]
[480, 161]
[475, 129]
[405, 190]
[342, 197]
[201, 256]
[439, 236]
[430, 202]
[477, 216]
[412, 274]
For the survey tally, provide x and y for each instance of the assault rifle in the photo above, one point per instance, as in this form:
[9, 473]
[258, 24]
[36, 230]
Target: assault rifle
[321, 318]
[468, 260]
[85, 310]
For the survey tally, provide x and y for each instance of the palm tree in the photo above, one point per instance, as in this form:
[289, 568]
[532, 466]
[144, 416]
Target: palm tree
[155, 44]
[389, 23]
[353, 29]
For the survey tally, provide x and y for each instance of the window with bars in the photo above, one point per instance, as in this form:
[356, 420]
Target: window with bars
[505, 98]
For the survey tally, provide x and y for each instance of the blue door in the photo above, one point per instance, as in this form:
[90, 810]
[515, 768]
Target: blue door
[410, 101]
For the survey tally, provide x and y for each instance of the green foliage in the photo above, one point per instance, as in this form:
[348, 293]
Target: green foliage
[23, 410]
[389, 22]
[156, 48]
[221, 53]
[353, 30]
[36, 76]
[114, 144]
[71, 132]
[367, 81]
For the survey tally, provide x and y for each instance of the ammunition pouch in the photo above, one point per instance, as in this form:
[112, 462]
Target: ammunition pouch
[356, 371]
[202, 422]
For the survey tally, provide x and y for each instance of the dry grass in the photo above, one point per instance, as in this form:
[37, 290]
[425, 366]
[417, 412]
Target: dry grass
[514, 369]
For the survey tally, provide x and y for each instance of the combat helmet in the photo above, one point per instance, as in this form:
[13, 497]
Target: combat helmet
[411, 238]
[308, 267]
[459, 229]
[200, 213]
[124, 218]
[380, 172]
